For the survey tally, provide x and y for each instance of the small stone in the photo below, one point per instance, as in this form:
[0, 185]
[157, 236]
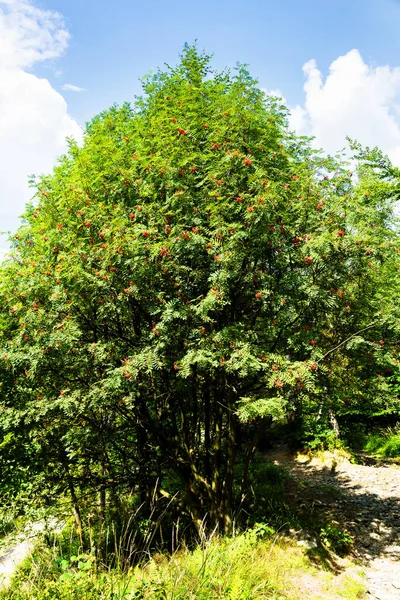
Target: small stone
[391, 549]
[366, 542]
[307, 544]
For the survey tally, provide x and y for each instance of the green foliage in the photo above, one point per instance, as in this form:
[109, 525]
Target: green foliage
[337, 539]
[385, 443]
[323, 439]
[46, 578]
[264, 500]
[191, 273]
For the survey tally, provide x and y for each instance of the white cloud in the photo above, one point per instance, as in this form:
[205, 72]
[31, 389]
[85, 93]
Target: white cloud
[355, 100]
[69, 87]
[34, 116]
[275, 92]
[29, 34]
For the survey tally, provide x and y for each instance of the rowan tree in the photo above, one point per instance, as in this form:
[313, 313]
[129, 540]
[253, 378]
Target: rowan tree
[191, 272]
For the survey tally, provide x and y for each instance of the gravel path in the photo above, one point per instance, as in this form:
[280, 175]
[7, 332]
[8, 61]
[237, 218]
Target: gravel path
[363, 498]
[10, 560]
[21, 545]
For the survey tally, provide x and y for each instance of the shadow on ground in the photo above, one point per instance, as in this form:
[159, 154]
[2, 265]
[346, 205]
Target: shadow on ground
[362, 498]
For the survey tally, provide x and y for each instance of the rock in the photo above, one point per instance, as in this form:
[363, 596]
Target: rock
[307, 544]
[392, 549]
[366, 542]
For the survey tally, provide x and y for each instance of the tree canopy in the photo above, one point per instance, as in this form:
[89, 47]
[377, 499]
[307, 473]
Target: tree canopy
[189, 274]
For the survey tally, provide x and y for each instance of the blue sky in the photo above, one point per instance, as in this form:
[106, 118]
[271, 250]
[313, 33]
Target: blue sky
[336, 63]
[113, 44]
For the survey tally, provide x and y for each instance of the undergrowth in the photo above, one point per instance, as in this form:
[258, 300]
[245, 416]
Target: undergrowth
[385, 443]
[130, 560]
[252, 565]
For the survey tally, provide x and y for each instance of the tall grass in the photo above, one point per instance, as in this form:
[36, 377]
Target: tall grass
[141, 553]
[256, 564]
[385, 443]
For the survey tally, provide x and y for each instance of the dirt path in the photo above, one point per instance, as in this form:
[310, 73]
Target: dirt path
[363, 498]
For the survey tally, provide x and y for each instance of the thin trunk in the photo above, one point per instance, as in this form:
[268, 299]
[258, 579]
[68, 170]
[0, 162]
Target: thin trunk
[334, 423]
[102, 502]
[207, 440]
[229, 475]
[196, 419]
[215, 512]
[74, 498]
[102, 505]
[249, 459]
[77, 512]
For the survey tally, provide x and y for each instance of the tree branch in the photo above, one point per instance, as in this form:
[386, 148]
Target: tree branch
[346, 340]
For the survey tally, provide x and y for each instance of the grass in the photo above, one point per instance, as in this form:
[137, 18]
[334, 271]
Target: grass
[385, 443]
[256, 564]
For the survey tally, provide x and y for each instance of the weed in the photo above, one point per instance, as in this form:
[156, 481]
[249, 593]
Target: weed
[336, 539]
[385, 443]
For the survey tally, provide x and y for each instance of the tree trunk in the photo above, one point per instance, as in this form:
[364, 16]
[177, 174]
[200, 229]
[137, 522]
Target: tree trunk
[334, 423]
[77, 512]
[249, 458]
[74, 498]
[229, 475]
[215, 512]
[207, 440]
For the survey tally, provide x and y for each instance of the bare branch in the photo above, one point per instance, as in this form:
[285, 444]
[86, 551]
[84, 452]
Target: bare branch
[347, 339]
